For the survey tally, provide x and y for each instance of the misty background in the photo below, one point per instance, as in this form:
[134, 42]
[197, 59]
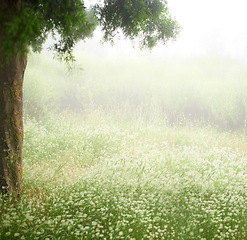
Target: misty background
[200, 78]
[136, 144]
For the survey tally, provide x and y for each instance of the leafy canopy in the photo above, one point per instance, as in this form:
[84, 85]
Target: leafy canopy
[148, 19]
[68, 21]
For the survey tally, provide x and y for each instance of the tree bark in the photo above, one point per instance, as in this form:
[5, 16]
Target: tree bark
[11, 122]
[11, 108]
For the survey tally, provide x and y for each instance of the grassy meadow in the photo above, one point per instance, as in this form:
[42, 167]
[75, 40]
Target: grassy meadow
[209, 89]
[132, 149]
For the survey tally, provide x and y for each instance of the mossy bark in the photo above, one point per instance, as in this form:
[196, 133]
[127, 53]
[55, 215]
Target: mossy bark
[11, 114]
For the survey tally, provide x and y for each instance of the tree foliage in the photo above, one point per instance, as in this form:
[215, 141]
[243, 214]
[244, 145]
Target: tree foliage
[148, 19]
[68, 21]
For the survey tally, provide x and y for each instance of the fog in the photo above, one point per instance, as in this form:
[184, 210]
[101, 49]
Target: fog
[213, 26]
[208, 27]
[199, 77]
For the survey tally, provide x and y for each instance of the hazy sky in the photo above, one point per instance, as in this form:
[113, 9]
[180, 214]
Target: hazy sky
[212, 25]
[208, 26]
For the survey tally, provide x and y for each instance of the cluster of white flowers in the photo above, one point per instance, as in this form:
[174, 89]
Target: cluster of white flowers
[109, 182]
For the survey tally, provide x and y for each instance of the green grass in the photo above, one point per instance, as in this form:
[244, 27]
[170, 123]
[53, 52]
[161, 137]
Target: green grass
[91, 177]
[206, 88]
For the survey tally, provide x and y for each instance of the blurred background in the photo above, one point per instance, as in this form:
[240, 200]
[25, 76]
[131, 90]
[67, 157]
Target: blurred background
[200, 78]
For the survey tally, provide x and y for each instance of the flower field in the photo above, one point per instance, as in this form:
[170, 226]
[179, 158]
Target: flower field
[86, 179]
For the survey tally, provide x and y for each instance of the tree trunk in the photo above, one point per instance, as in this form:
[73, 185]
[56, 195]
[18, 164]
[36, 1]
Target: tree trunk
[11, 122]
